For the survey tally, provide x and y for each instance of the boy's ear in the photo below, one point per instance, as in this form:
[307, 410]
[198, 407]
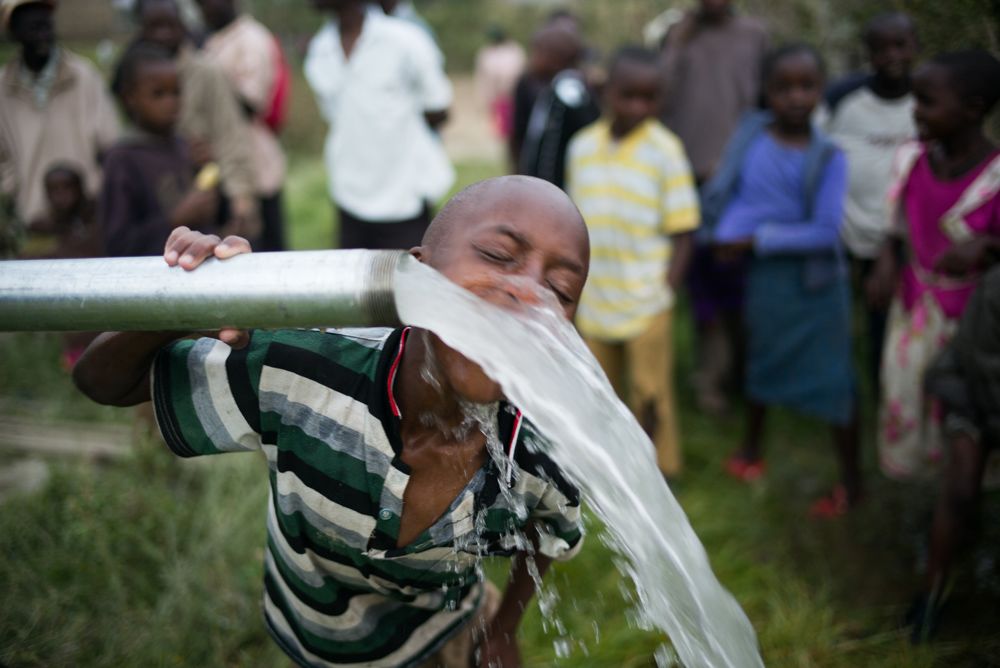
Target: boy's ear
[419, 253]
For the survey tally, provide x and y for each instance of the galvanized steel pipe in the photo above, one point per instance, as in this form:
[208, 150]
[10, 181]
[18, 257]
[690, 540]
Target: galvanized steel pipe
[268, 290]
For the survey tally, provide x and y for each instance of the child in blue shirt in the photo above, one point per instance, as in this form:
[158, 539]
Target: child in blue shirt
[780, 192]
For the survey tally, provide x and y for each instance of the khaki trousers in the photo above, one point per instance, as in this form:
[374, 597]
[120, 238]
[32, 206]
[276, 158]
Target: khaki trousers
[642, 372]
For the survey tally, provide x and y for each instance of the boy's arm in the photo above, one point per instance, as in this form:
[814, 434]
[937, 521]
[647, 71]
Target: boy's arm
[680, 259]
[499, 645]
[114, 370]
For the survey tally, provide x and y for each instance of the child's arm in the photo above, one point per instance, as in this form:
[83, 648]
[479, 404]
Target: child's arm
[114, 370]
[499, 645]
[822, 231]
[881, 284]
[680, 259]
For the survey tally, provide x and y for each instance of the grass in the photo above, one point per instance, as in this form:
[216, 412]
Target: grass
[152, 561]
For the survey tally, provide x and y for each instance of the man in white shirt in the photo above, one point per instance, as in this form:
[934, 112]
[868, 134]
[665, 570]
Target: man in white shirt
[380, 85]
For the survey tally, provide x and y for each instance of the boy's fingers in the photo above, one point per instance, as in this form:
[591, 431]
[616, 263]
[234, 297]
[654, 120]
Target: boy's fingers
[171, 251]
[234, 338]
[197, 250]
[230, 246]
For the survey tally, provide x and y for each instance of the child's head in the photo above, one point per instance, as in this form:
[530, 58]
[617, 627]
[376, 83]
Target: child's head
[954, 93]
[793, 84]
[715, 10]
[632, 90]
[217, 13]
[494, 235]
[892, 45]
[160, 23]
[147, 85]
[554, 48]
[64, 190]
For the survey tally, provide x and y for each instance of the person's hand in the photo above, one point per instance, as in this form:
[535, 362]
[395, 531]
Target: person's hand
[201, 152]
[497, 649]
[963, 258]
[187, 248]
[881, 284]
[733, 251]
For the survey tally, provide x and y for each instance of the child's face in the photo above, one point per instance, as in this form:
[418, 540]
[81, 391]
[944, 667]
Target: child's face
[517, 237]
[161, 24]
[63, 191]
[794, 89]
[154, 102]
[940, 112]
[633, 93]
[892, 50]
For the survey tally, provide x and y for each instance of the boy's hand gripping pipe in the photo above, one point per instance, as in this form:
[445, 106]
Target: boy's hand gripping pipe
[266, 290]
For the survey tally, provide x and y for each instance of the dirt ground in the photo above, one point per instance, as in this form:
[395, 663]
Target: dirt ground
[468, 136]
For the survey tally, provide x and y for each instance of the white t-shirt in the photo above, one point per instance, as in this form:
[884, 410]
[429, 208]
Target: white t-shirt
[870, 130]
[383, 161]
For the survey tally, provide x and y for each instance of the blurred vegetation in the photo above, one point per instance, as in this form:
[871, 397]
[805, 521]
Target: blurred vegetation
[834, 25]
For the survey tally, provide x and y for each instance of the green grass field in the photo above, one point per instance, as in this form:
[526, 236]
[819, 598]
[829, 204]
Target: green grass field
[151, 561]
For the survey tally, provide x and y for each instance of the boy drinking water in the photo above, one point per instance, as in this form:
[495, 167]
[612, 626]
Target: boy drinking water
[632, 182]
[383, 497]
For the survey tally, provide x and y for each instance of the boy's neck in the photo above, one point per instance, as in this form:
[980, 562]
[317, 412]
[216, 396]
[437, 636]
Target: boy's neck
[350, 18]
[34, 63]
[890, 89]
[619, 132]
[792, 134]
[426, 405]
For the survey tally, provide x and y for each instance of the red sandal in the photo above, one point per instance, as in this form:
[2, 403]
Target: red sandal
[745, 470]
[831, 506]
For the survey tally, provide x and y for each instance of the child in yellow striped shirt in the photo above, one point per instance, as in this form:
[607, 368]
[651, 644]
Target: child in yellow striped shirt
[632, 181]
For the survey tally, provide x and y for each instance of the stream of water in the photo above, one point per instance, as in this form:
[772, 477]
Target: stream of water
[547, 371]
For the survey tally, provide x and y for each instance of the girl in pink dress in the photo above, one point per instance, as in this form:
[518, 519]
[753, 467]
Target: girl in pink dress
[946, 223]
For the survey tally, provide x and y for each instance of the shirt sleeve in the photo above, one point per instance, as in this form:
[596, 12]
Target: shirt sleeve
[205, 395]
[822, 231]
[557, 514]
[679, 201]
[229, 132]
[433, 87]
[559, 522]
[252, 71]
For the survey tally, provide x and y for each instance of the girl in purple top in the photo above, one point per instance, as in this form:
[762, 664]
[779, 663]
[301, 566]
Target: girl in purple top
[784, 210]
[947, 222]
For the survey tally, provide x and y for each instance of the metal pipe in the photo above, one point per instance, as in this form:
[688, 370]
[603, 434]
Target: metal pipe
[267, 290]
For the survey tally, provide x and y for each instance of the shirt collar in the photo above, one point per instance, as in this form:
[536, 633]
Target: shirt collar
[510, 442]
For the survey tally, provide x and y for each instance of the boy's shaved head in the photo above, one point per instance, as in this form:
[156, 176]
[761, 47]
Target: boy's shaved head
[475, 204]
[511, 240]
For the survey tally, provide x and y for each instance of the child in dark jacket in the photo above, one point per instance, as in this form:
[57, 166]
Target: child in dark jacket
[149, 185]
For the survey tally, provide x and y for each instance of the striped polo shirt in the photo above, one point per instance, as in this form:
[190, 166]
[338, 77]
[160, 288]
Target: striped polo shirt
[319, 405]
[633, 193]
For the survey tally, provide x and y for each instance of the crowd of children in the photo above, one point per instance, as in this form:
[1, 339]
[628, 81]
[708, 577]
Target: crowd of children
[805, 199]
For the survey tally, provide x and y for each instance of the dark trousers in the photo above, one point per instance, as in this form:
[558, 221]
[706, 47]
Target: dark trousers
[272, 236]
[386, 235]
[876, 320]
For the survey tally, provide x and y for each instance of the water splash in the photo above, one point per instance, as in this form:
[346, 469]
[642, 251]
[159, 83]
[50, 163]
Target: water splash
[546, 370]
